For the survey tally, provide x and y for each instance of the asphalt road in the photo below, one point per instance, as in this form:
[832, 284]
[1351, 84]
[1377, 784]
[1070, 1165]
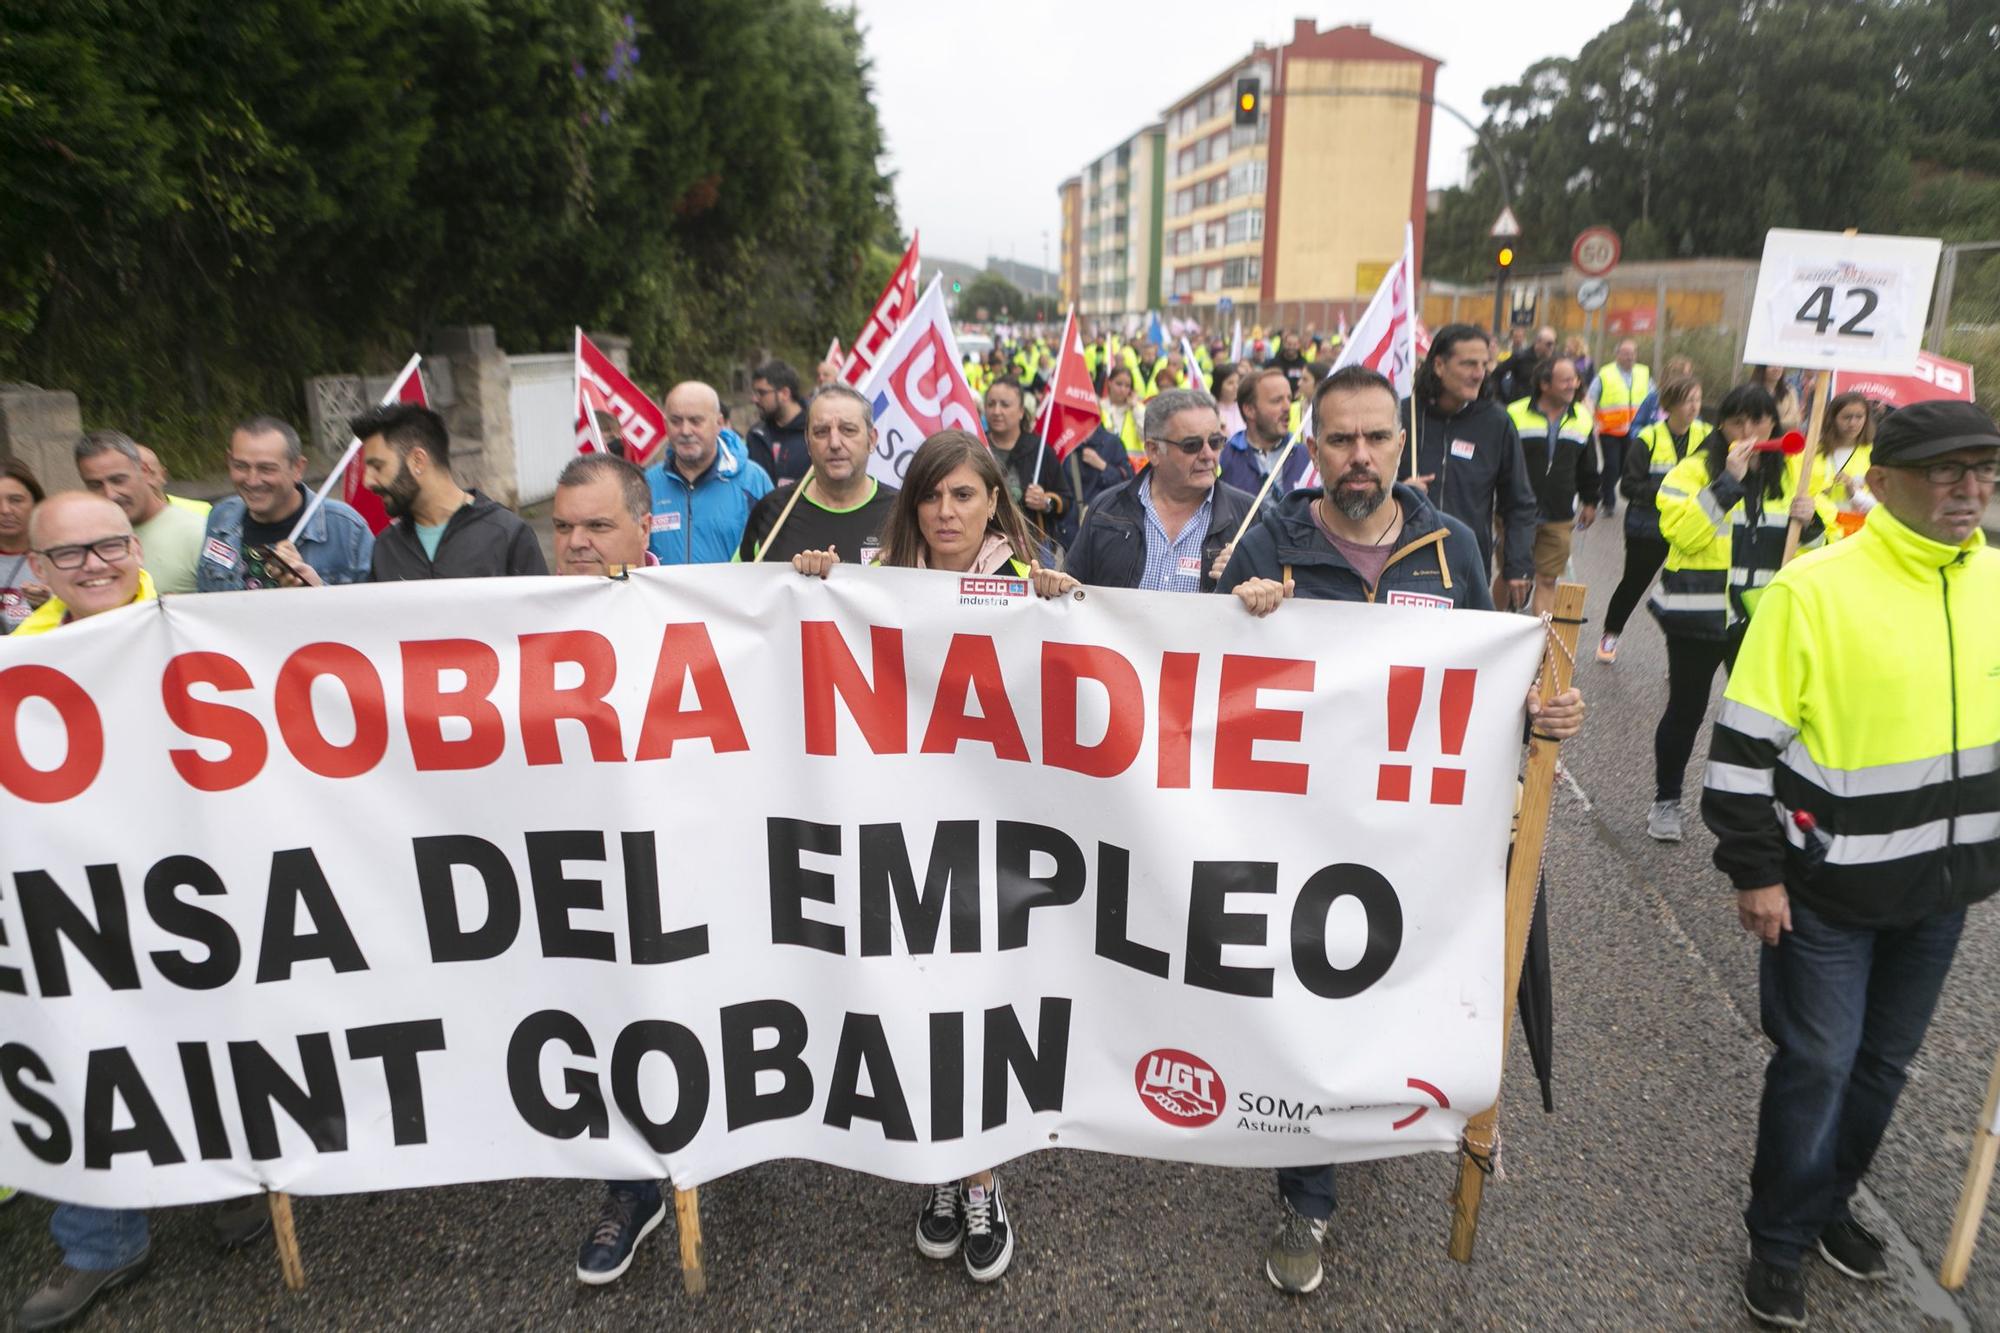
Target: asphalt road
[1622, 1210]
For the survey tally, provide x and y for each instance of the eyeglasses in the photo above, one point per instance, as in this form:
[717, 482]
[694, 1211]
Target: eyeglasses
[1194, 444]
[110, 550]
[1953, 472]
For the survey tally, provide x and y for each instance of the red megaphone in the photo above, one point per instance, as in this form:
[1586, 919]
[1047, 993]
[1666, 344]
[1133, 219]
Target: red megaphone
[1792, 442]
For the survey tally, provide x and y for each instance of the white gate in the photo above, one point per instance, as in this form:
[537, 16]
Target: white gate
[543, 403]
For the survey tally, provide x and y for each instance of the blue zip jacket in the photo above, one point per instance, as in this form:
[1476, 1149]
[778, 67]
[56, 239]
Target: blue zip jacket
[336, 543]
[703, 524]
[1436, 562]
[1239, 466]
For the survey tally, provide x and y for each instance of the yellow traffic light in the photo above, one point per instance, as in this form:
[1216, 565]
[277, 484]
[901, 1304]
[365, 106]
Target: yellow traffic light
[1248, 101]
[1506, 256]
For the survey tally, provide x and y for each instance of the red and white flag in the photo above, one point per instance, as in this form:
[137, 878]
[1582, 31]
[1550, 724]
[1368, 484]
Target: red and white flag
[1069, 409]
[892, 307]
[1384, 338]
[348, 473]
[917, 388]
[602, 387]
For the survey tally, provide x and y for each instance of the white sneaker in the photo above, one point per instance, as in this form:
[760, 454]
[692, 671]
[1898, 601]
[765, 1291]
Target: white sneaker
[1607, 648]
[1664, 823]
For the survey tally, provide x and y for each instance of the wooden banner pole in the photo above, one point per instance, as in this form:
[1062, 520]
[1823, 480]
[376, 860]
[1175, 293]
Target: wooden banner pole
[1482, 1132]
[1822, 387]
[1972, 1195]
[783, 514]
[1270, 479]
[687, 1219]
[287, 1239]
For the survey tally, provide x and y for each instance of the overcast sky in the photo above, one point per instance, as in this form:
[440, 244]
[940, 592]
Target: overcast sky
[988, 108]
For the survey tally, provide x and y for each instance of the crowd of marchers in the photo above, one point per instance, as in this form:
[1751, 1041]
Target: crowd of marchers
[1854, 847]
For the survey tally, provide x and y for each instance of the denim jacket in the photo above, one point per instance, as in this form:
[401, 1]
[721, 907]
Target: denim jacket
[337, 544]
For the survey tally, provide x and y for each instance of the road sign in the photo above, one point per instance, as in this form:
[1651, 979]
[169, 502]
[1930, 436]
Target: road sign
[1592, 293]
[1828, 301]
[1595, 251]
[1505, 226]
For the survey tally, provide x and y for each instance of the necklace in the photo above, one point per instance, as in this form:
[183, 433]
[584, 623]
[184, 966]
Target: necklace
[1389, 529]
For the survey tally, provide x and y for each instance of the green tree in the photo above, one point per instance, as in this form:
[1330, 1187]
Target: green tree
[990, 292]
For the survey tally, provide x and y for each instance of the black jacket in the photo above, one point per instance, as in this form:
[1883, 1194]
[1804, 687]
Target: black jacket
[481, 540]
[1492, 482]
[1110, 552]
[1057, 523]
[1562, 480]
[779, 450]
[1090, 483]
[1436, 562]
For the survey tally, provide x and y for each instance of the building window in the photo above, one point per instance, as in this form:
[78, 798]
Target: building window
[1214, 278]
[1183, 281]
[1216, 235]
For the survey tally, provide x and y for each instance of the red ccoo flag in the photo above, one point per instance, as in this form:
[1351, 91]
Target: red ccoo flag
[1069, 410]
[891, 308]
[602, 387]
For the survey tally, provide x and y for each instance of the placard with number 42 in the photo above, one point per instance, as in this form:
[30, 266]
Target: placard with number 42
[1829, 301]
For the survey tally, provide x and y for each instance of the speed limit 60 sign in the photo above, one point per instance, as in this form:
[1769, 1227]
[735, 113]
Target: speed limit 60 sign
[1828, 301]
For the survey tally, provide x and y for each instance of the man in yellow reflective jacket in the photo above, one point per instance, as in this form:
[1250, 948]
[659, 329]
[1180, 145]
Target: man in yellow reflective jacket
[1615, 397]
[1852, 791]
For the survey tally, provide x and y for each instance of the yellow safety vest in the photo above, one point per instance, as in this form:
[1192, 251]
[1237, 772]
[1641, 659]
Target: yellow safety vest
[1719, 560]
[1529, 421]
[1864, 695]
[1128, 433]
[1617, 404]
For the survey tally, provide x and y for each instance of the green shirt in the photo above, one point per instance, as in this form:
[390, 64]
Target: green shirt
[428, 538]
[170, 542]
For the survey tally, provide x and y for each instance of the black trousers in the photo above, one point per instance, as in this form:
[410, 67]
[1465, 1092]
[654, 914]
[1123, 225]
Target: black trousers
[1613, 450]
[1643, 558]
[1691, 665]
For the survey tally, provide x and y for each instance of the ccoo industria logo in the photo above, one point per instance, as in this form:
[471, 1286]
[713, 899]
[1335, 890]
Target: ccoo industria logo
[989, 590]
[1179, 1088]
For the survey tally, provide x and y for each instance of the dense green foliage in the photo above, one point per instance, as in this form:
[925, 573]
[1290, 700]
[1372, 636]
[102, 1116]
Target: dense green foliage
[1693, 126]
[207, 203]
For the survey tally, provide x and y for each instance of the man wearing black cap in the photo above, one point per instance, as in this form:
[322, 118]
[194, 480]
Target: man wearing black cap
[1853, 792]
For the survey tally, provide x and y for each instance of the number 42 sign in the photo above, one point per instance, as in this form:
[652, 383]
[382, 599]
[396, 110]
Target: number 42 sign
[1829, 301]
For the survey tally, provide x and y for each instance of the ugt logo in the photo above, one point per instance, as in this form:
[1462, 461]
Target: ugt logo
[1180, 1088]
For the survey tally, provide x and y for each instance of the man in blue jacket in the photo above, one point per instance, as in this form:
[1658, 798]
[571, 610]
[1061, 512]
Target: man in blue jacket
[248, 543]
[702, 493]
[1361, 537]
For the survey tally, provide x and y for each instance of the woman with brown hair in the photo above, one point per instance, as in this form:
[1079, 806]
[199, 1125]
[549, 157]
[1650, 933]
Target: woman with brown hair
[20, 591]
[955, 513]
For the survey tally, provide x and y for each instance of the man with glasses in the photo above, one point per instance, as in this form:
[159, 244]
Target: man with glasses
[1851, 790]
[1360, 537]
[777, 443]
[83, 548]
[842, 508]
[1167, 529]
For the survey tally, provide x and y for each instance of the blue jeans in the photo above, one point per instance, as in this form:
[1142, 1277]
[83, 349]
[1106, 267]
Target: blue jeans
[98, 1239]
[1308, 1189]
[1847, 1009]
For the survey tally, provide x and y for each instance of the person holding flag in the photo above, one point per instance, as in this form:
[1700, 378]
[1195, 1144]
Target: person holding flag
[247, 543]
[1363, 537]
[1034, 475]
[838, 506]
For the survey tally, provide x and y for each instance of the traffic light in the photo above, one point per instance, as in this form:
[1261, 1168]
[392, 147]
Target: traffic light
[1504, 258]
[1249, 98]
[956, 287]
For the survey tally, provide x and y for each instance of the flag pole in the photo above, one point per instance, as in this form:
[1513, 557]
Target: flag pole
[783, 514]
[353, 447]
[1270, 479]
[1055, 389]
[1972, 1195]
[1416, 306]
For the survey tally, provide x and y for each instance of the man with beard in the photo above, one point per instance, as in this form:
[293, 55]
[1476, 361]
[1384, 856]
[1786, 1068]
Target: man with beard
[1361, 538]
[777, 443]
[440, 531]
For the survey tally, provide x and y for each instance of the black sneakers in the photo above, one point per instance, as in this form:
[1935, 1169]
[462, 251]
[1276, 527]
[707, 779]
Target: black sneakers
[630, 1215]
[940, 1224]
[70, 1291]
[1853, 1250]
[989, 1240]
[1775, 1296]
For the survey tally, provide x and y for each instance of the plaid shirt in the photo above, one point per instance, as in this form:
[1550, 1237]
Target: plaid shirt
[1173, 566]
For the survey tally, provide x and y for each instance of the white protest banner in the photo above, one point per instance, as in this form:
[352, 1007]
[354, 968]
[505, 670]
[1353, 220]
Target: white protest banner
[918, 388]
[1829, 301]
[908, 872]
